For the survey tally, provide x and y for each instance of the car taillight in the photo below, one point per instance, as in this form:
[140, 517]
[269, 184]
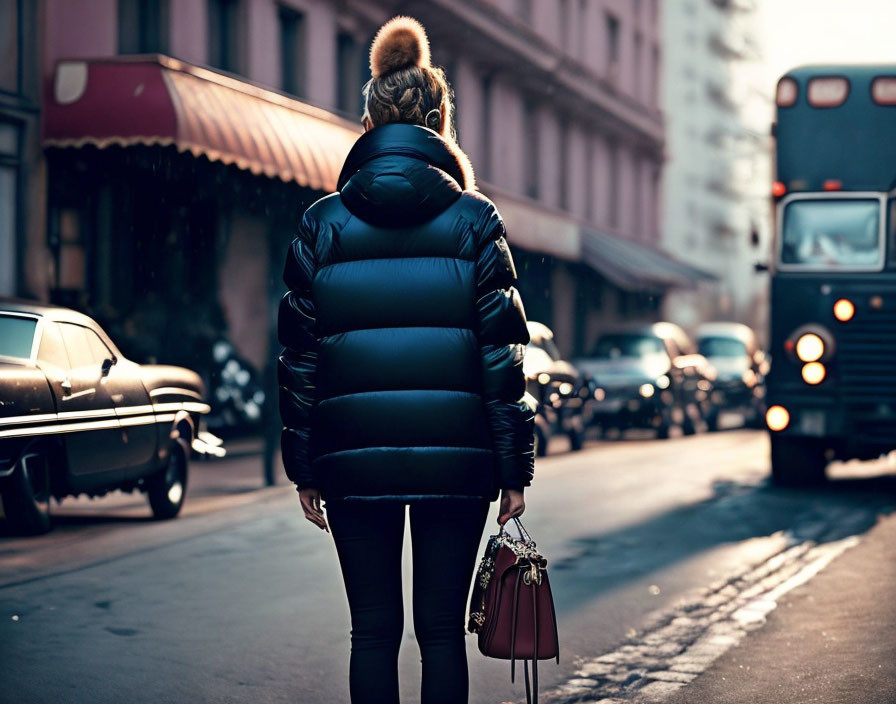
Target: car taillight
[827, 92]
[883, 90]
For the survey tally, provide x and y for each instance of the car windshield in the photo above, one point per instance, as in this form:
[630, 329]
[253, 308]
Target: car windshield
[721, 347]
[831, 234]
[16, 336]
[615, 346]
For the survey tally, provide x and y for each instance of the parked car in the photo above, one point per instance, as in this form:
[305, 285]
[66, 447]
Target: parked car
[76, 417]
[649, 376]
[740, 366]
[562, 391]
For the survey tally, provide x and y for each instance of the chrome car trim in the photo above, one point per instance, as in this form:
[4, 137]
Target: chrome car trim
[64, 428]
[133, 410]
[125, 415]
[174, 390]
[139, 420]
[172, 406]
[94, 413]
[78, 394]
[14, 420]
[87, 425]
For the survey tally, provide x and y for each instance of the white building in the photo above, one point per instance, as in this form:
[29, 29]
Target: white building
[718, 173]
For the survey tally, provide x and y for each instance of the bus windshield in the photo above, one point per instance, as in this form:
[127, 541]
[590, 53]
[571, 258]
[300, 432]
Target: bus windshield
[832, 234]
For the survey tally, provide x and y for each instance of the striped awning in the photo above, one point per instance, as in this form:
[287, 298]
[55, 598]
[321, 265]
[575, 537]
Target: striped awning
[634, 267]
[157, 100]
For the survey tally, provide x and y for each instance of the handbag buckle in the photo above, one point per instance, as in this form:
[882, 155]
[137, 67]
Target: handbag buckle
[532, 575]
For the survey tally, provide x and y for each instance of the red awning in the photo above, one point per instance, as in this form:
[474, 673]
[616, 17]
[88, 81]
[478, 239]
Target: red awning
[159, 100]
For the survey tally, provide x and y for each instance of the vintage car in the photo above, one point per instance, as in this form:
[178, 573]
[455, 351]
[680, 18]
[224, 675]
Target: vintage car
[649, 376]
[76, 417]
[741, 368]
[563, 393]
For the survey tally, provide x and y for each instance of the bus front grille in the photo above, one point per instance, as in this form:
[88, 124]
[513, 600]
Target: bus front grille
[866, 357]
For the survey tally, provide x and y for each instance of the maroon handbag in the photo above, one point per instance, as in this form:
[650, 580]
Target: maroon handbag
[512, 609]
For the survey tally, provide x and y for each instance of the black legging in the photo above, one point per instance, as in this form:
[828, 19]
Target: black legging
[445, 538]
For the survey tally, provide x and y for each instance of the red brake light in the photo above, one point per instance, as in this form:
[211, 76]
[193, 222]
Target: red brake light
[827, 92]
[883, 90]
[833, 184]
[786, 94]
[778, 189]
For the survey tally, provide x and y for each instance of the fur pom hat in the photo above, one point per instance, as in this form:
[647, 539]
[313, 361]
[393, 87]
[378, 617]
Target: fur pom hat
[399, 43]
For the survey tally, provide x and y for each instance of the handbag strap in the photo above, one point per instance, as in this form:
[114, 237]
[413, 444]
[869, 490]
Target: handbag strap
[524, 534]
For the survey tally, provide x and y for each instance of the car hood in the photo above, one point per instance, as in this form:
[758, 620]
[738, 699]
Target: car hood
[625, 370]
[559, 370]
[729, 368]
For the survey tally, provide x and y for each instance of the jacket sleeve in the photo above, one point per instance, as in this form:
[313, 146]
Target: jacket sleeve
[297, 363]
[503, 337]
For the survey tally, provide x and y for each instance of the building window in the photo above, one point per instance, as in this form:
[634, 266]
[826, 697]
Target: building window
[563, 34]
[9, 202]
[655, 77]
[524, 10]
[485, 131]
[582, 21]
[613, 184]
[590, 196]
[223, 34]
[531, 150]
[612, 43]
[638, 48]
[142, 26]
[348, 70]
[10, 49]
[292, 50]
[564, 165]
[637, 200]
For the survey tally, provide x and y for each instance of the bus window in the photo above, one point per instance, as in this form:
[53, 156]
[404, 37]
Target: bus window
[892, 237]
[832, 234]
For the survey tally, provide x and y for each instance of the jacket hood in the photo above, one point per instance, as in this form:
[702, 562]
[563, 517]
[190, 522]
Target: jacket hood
[400, 175]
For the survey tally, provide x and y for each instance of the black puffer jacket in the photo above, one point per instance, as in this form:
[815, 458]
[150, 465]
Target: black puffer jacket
[404, 338]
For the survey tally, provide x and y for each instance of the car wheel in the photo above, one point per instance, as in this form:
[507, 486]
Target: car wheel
[26, 499]
[797, 461]
[576, 440]
[712, 420]
[167, 488]
[688, 426]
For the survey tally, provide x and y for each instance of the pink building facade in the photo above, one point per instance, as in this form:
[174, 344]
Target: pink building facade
[557, 106]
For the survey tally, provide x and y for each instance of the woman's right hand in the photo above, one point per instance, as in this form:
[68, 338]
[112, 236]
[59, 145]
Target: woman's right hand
[512, 505]
[310, 500]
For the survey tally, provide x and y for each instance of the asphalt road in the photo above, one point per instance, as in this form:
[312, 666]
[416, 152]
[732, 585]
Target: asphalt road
[240, 600]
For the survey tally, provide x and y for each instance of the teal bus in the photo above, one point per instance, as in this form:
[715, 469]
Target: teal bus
[831, 390]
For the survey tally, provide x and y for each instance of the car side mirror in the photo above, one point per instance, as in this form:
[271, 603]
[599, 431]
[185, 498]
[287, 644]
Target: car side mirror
[759, 267]
[107, 365]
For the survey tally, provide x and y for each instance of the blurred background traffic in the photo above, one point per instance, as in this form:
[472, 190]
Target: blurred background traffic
[155, 156]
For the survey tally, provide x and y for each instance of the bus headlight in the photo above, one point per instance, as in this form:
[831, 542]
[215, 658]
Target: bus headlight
[777, 418]
[809, 347]
[814, 373]
[844, 310]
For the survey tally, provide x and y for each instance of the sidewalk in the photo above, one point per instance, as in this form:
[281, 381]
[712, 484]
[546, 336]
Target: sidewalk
[830, 641]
